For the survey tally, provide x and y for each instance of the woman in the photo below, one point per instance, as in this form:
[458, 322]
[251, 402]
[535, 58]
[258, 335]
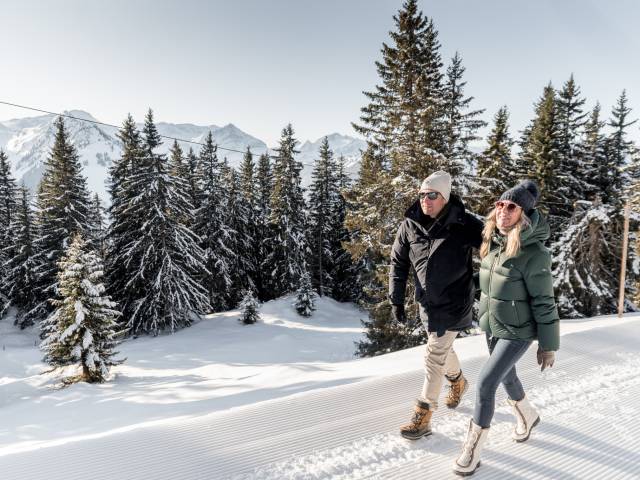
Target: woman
[516, 307]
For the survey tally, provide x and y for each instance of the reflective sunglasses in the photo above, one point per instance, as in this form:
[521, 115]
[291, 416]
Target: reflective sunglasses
[508, 206]
[429, 195]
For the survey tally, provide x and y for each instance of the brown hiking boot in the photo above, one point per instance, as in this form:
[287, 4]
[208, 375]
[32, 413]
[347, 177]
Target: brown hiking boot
[420, 424]
[457, 387]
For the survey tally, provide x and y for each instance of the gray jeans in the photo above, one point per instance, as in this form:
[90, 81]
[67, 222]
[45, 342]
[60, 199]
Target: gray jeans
[499, 368]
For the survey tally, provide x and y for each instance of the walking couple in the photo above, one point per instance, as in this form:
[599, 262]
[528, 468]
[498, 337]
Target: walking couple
[517, 305]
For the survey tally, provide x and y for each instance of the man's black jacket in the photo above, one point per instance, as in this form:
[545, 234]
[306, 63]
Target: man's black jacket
[440, 252]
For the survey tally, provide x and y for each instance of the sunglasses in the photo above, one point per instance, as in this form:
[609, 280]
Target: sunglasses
[508, 206]
[429, 195]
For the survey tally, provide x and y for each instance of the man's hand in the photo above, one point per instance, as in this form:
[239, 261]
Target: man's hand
[546, 359]
[397, 311]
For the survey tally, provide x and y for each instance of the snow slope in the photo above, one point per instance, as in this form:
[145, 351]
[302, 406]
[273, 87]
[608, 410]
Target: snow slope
[285, 399]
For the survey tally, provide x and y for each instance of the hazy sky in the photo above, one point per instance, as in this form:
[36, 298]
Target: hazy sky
[263, 63]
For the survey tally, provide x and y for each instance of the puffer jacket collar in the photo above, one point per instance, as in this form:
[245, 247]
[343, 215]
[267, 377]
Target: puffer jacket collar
[453, 214]
[538, 231]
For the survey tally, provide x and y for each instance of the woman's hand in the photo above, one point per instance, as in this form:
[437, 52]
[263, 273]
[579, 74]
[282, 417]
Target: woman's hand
[545, 359]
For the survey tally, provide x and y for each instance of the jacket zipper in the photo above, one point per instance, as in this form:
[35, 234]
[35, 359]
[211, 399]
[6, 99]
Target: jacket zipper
[493, 266]
[513, 303]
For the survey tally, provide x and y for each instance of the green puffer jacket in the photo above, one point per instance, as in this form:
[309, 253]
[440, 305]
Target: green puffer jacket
[516, 300]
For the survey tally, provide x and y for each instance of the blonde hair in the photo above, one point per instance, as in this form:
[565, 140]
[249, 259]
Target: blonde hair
[513, 237]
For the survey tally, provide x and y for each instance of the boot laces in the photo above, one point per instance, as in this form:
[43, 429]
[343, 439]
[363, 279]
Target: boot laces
[417, 417]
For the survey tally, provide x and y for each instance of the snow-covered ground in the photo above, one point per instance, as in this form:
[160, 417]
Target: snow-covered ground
[286, 399]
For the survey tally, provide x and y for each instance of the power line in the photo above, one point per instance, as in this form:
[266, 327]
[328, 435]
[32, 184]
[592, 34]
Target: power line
[118, 128]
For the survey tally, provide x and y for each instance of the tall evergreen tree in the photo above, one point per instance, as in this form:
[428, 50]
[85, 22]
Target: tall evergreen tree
[264, 187]
[240, 242]
[8, 207]
[287, 245]
[404, 118]
[573, 169]
[619, 149]
[124, 223]
[19, 280]
[82, 329]
[247, 202]
[194, 187]
[346, 272]
[163, 292]
[392, 118]
[543, 153]
[62, 211]
[460, 125]
[595, 157]
[96, 231]
[213, 227]
[405, 123]
[179, 170]
[496, 167]
[322, 199]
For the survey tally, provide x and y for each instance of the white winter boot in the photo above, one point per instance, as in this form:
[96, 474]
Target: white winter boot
[527, 418]
[469, 460]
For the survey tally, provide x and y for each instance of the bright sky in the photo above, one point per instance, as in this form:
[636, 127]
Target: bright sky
[261, 64]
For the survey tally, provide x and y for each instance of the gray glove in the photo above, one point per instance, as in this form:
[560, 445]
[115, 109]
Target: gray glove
[545, 359]
[397, 311]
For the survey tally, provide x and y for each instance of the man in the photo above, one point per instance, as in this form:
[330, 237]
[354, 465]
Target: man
[436, 239]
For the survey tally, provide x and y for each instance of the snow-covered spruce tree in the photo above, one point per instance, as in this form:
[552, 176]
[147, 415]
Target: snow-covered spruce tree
[193, 168]
[346, 273]
[460, 126]
[240, 241]
[543, 154]
[496, 167]
[619, 149]
[595, 156]
[164, 291]
[96, 229]
[82, 329]
[404, 125]
[305, 304]
[249, 306]
[120, 266]
[8, 207]
[179, 170]
[248, 191]
[405, 114]
[322, 207]
[584, 283]
[62, 211]
[264, 187]
[621, 152]
[287, 243]
[572, 119]
[19, 281]
[212, 226]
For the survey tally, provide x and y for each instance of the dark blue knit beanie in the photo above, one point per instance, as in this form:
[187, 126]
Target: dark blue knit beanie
[525, 195]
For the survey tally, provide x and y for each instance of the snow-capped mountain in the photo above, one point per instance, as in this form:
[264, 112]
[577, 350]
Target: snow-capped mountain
[341, 145]
[28, 141]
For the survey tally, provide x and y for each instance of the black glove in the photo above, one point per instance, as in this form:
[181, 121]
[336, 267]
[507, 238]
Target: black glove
[397, 311]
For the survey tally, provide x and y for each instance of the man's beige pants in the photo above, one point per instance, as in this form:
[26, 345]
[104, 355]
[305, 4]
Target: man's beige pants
[439, 359]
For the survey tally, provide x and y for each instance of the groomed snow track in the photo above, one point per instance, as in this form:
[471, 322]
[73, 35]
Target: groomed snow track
[589, 404]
